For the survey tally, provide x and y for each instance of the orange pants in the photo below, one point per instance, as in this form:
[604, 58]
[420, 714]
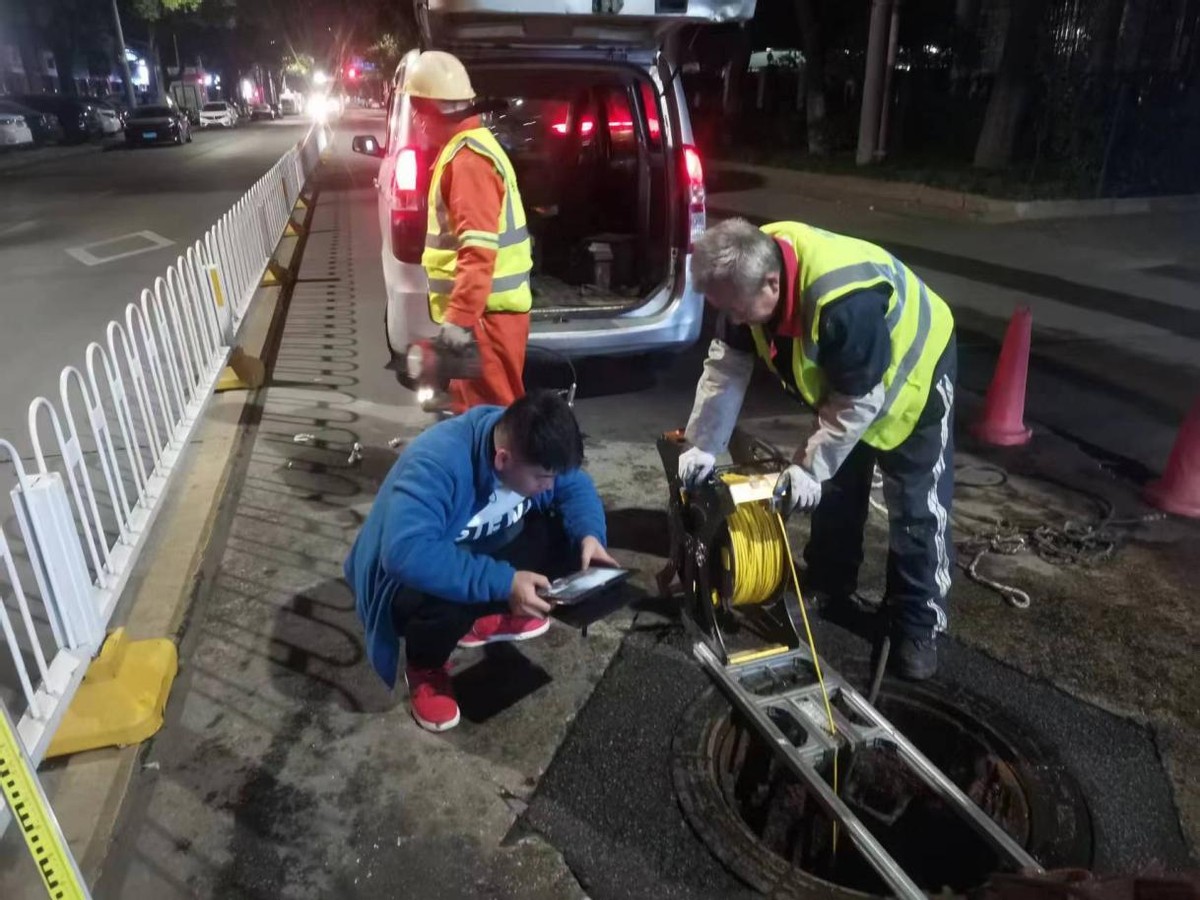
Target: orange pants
[502, 338]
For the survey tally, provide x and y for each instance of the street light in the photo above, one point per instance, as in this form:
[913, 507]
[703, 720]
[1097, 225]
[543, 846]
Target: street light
[320, 77]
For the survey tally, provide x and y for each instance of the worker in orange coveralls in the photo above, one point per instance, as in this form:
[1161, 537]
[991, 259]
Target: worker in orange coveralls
[477, 249]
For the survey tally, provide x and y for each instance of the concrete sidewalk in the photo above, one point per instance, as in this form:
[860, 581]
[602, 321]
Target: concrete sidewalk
[286, 768]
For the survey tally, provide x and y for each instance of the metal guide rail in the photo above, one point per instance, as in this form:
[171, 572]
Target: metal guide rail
[763, 686]
[806, 712]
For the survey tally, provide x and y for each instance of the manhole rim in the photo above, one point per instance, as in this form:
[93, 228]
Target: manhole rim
[1058, 800]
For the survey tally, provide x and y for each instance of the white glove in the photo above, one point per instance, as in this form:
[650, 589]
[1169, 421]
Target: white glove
[694, 466]
[455, 337]
[800, 489]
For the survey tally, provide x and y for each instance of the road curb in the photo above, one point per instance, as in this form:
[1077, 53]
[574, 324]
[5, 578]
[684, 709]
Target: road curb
[88, 789]
[910, 195]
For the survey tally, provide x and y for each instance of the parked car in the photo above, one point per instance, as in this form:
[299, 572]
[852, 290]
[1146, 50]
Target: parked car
[79, 119]
[597, 128]
[45, 127]
[289, 106]
[263, 111]
[111, 119]
[14, 131]
[158, 125]
[218, 112]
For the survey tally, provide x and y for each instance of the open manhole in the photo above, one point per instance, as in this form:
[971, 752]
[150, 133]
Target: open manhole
[761, 822]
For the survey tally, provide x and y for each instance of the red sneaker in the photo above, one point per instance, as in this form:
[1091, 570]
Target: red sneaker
[501, 627]
[431, 697]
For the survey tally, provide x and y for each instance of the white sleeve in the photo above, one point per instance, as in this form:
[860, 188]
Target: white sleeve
[842, 422]
[719, 395]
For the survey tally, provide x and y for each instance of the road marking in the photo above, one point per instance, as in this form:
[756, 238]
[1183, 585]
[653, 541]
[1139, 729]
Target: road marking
[18, 228]
[95, 254]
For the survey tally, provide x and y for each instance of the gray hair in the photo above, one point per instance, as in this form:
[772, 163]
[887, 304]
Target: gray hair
[736, 253]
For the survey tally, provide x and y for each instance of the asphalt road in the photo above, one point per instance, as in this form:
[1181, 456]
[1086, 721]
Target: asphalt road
[52, 303]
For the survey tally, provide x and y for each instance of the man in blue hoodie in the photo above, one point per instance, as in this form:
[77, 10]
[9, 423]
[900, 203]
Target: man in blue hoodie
[478, 513]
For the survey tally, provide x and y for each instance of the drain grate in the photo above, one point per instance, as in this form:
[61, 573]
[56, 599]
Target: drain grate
[763, 824]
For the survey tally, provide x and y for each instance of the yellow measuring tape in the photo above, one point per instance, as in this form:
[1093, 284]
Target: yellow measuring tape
[39, 827]
[758, 550]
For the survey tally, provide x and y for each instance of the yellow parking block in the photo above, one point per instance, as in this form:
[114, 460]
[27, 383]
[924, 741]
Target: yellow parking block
[122, 697]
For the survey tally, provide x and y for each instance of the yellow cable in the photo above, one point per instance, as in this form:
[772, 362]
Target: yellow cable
[787, 545]
[756, 565]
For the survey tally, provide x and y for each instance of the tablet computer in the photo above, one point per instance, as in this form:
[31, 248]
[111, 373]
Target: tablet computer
[579, 586]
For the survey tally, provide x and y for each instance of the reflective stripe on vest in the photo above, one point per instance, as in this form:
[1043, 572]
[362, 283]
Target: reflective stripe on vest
[510, 279]
[918, 321]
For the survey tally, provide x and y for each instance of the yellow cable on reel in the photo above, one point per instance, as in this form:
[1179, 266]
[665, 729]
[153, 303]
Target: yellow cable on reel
[758, 550]
[756, 562]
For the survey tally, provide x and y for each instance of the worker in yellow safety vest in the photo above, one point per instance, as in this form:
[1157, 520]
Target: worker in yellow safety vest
[477, 250]
[850, 330]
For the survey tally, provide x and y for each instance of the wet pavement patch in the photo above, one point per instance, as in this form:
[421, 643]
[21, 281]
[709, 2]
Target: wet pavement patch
[609, 802]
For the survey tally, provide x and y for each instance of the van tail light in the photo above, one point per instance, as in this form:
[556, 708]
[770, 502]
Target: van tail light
[693, 180]
[405, 178]
[586, 126]
[408, 207]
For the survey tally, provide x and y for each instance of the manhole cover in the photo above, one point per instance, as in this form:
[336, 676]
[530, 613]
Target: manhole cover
[761, 822]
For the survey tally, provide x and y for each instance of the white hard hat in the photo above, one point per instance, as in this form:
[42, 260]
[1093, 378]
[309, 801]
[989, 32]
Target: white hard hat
[438, 76]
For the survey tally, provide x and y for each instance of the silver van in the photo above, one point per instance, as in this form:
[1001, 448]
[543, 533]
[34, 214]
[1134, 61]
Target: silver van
[589, 106]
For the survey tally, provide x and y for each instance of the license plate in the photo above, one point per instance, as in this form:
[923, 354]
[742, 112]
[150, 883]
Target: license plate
[149, 135]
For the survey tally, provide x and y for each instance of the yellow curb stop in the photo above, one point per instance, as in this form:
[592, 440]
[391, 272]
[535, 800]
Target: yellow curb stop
[122, 697]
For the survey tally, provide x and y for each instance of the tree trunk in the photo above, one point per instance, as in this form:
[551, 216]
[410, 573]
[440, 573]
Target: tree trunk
[816, 126]
[31, 59]
[1106, 25]
[966, 44]
[735, 79]
[873, 78]
[154, 71]
[1010, 92]
[63, 48]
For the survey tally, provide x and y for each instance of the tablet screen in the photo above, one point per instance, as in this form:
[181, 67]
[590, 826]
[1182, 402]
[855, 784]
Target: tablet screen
[574, 588]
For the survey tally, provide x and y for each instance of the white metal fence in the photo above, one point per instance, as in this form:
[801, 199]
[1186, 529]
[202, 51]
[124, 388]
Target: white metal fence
[106, 447]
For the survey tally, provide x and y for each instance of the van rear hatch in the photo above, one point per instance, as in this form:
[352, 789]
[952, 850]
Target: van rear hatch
[569, 24]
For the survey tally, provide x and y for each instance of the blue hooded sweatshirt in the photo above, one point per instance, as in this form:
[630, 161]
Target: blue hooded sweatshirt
[441, 480]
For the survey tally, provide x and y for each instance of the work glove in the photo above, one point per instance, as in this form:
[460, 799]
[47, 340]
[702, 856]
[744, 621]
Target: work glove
[797, 488]
[454, 337]
[694, 466]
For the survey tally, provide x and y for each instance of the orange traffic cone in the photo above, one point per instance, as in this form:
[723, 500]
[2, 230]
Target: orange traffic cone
[1003, 422]
[1178, 491]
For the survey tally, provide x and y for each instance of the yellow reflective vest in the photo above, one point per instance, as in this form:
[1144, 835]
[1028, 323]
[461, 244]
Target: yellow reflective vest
[514, 258]
[918, 320]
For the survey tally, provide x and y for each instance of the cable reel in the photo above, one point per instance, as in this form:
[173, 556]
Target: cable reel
[727, 542]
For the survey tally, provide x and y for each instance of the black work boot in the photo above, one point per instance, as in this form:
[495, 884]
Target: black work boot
[913, 658]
